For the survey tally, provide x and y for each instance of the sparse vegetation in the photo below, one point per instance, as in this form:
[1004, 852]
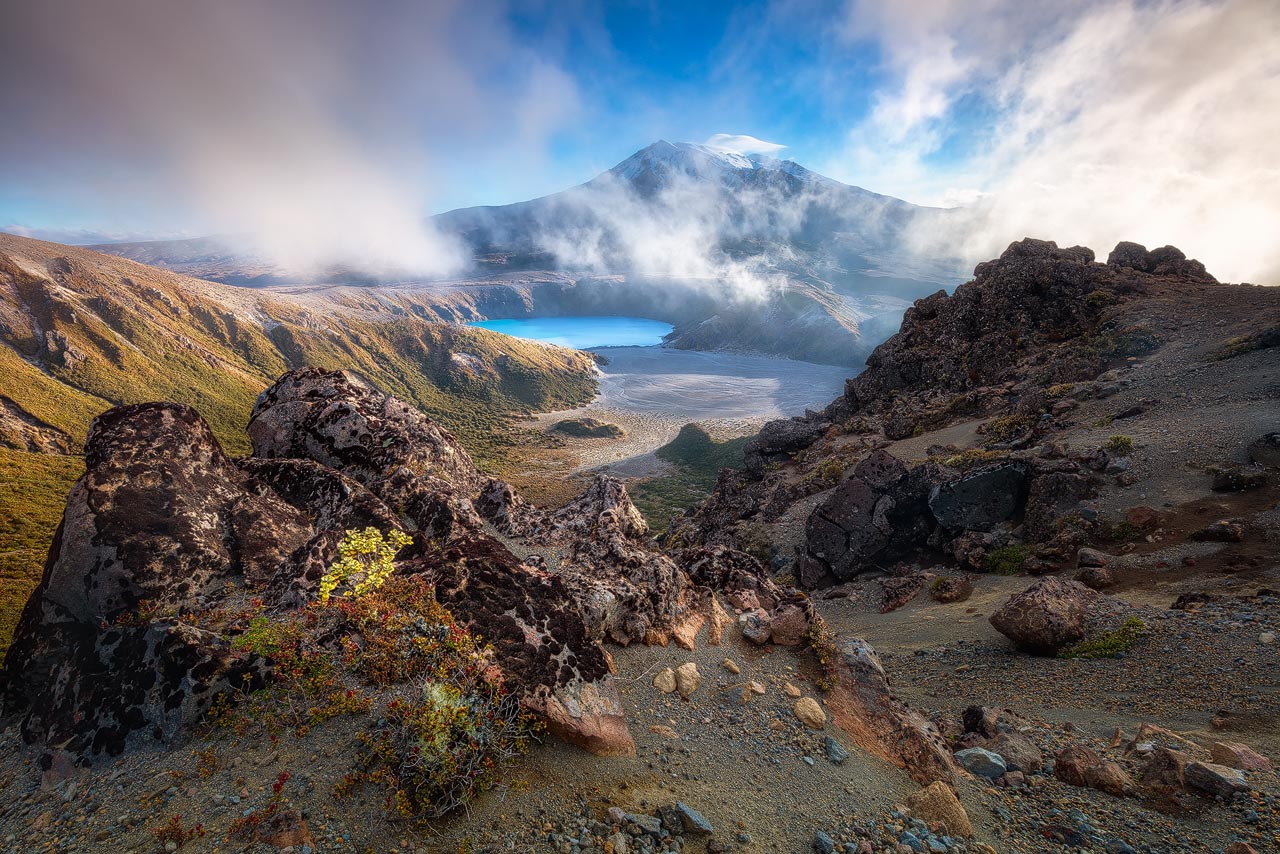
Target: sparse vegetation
[971, 457]
[1101, 299]
[822, 641]
[1242, 344]
[1108, 644]
[365, 562]
[1007, 428]
[441, 721]
[1008, 560]
[176, 832]
[1123, 532]
[1120, 445]
[697, 459]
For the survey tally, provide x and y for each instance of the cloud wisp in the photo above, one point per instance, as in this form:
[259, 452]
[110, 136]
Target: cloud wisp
[318, 129]
[1089, 123]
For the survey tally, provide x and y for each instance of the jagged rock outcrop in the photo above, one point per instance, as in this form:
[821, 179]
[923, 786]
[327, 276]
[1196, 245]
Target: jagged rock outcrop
[164, 527]
[337, 419]
[997, 353]
[160, 522]
[884, 512]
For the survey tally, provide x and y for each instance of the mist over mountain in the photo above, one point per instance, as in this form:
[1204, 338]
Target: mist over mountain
[737, 250]
[687, 211]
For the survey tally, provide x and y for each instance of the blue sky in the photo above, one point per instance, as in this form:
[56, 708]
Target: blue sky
[1084, 121]
[627, 74]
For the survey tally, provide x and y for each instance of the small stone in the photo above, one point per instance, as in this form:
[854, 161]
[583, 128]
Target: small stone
[938, 804]
[687, 679]
[788, 626]
[836, 754]
[693, 821]
[791, 690]
[664, 731]
[731, 665]
[755, 627]
[756, 688]
[810, 713]
[823, 844]
[1267, 638]
[665, 681]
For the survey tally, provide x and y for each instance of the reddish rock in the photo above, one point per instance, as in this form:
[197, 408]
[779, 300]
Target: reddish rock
[951, 588]
[1078, 765]
[1096, 577]
[862, 705]
[1165, 771]
[1235, 755]
[1143, 517]
[788, 625]
[1047, 616]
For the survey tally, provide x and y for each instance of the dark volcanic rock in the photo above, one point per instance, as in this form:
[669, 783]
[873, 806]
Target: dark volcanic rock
[877, 515]
[161, 517]
[979, 501]
[1165, 261]
[778, 439]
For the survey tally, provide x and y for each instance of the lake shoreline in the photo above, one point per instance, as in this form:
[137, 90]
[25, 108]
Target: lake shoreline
[651, 392]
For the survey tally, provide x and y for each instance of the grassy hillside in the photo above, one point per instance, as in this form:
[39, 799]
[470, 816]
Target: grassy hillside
[81, 332]
[696, 460]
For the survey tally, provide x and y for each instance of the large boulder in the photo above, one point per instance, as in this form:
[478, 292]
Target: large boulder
[778, 440]
[159, 524]
[338, 419]
[877, 515]
[1046, 617]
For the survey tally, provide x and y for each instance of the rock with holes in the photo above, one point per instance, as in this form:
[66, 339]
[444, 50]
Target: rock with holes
[160, 523]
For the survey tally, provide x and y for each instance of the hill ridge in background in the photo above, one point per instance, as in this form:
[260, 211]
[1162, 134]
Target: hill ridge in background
[82, 331]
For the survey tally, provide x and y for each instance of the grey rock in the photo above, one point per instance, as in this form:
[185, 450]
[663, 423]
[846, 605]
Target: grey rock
[1216, 780]
[835, 751]
[693, 821]
[981, 762]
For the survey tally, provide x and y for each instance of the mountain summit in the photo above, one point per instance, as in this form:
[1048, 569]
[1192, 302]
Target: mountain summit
[656, 165]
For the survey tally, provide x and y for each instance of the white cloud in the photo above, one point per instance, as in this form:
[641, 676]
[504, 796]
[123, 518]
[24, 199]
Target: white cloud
[322, 129]
[1147, 121]
[742, 144]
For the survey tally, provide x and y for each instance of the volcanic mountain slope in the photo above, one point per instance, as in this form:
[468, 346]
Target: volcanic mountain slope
[81, 332]
[738, 252]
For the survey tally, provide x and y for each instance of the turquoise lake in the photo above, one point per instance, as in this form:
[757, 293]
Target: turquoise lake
[582, 333]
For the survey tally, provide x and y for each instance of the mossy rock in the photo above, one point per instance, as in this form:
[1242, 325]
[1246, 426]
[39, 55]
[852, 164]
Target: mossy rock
[588, 428]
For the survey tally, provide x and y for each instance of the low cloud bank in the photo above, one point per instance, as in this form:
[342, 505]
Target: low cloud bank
[1084, 122]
